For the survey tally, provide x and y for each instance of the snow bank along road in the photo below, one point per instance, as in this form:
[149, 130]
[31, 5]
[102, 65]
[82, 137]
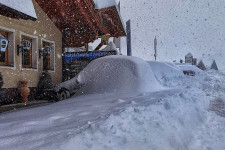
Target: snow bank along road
[177, 117]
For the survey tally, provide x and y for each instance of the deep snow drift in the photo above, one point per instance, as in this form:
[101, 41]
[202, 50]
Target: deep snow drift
[179, 121]
[165, 71]
[179, 118]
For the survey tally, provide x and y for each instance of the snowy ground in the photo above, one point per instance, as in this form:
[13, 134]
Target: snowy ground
[179, 117]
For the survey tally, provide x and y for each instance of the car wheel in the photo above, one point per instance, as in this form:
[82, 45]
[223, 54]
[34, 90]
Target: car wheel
[64, 94]
[67, 94]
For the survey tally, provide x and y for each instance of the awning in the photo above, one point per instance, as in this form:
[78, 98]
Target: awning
[81, 21]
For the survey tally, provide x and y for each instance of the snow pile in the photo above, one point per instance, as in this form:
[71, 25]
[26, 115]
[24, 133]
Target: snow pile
[179, 118]
[177, 121]
[118, 74]
[24, 6]
[165, 71]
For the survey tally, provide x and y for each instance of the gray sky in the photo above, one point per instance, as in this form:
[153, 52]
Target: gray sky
[181, 26]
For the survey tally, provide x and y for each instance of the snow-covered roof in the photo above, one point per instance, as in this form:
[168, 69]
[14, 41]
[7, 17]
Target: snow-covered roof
[100, 4]
[104, 3]
[23, 6]
[189, 55]
[110, 47]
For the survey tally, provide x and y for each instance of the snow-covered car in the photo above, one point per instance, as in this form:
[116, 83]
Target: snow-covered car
[110, 74]
[190, 70]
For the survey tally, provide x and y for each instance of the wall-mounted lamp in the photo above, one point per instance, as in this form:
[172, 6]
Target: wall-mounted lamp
[24, 45]
[3, 43]
[45, 50]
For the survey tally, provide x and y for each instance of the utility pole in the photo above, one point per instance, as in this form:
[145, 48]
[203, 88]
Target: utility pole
[155, 47]
[129, 52]
[117, 41]
[63, 54]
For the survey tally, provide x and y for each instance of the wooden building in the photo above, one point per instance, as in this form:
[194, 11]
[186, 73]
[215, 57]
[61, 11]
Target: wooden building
[57, 24]
[39, 30]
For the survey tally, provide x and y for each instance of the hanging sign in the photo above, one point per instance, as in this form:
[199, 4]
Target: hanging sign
[105, 39]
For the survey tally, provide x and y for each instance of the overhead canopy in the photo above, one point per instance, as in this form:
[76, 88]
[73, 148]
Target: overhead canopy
[20, 9]
[81, 21]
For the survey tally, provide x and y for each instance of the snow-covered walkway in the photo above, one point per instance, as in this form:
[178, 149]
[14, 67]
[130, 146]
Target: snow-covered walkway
[53, 124]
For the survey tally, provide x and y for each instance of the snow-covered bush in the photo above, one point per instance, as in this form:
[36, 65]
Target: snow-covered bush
[1, 80]
[45, 81]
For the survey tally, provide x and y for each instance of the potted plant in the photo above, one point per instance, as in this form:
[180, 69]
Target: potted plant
[24, 91]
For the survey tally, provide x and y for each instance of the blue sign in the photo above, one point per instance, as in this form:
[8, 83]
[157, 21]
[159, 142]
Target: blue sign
[71, 56]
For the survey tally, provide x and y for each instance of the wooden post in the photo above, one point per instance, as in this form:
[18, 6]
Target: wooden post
[86, 47]
[63, 53]
[155, 48]
[117, 41]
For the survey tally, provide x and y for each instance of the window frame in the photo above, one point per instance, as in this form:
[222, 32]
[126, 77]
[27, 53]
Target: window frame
[30, 52]
[52, 43]
[11, 48]
[34, 50]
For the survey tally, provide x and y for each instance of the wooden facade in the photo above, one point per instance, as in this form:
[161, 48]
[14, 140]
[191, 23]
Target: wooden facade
[67, 23]
[37, 32]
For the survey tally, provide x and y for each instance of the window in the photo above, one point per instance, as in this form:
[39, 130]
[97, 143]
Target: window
[48, 55]
[29, 54]
[7, 55]
[4, 54]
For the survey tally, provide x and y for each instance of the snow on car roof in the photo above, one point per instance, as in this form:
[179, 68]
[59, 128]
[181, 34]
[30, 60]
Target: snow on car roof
[23, 6]
[121, 74]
